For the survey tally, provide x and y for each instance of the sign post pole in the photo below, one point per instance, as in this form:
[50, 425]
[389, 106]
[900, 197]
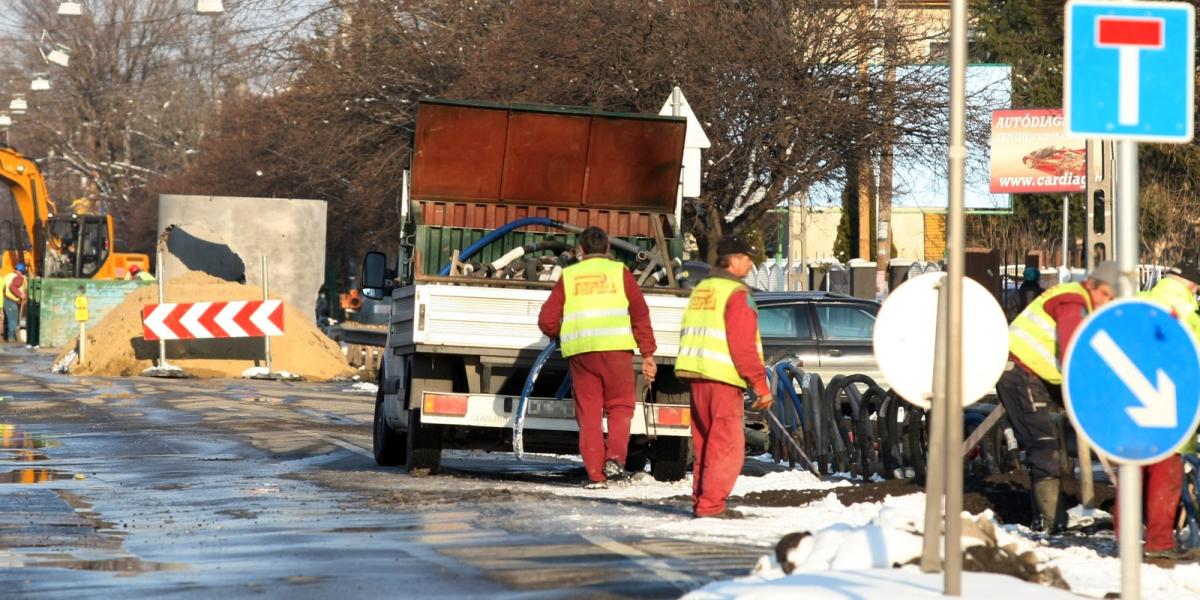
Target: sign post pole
[162, 282]
[267, 338]
[955, 242]
[935, 467]
[1129, 476]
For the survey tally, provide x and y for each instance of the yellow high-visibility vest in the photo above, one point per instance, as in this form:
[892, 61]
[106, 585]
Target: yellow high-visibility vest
[703, 345]
[596, 311]
[1033, 338]
[8, 281]
[1175, 295]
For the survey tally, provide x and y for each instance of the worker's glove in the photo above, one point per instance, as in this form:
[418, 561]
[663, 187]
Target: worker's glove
[764, 402]
[649, 368]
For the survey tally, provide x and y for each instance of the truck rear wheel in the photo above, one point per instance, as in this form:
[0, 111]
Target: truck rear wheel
[669, 457]
[423, 446]
[389, 445]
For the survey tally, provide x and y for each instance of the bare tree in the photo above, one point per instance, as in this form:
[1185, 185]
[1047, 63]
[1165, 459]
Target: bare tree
[137, 97]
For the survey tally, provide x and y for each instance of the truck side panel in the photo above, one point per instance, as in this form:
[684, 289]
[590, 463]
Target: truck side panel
[500, 318]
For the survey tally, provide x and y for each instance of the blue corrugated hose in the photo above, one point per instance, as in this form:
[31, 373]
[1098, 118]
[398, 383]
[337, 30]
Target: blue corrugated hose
[523, 403]
[498, 233]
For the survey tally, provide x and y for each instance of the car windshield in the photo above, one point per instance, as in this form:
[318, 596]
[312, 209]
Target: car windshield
[845, 322]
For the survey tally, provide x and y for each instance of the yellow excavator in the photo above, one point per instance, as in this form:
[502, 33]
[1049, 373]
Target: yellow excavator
[74, 246]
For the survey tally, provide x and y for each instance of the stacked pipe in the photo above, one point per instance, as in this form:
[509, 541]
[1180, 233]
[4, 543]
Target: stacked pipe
[522, 263]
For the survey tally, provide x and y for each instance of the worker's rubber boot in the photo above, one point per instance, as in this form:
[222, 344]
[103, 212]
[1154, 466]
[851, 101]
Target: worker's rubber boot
[1051, 510]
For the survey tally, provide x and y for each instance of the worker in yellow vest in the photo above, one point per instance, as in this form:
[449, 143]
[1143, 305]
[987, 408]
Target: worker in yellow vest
[720, 353]
[599, 316]
[16, 288]
[1176, 291]
[1031, 386]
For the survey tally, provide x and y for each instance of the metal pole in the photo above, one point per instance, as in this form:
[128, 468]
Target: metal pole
[267, 338]
[935, 466]
[955, 244]
[1129, 494]
[1127, 217]
[162, 344]
[1129, 486]
[1066, 239]
[792, 274]
[804, 283]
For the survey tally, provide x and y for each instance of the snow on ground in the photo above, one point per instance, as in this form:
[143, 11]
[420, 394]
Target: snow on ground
[362, 387]
[891, 584]
[871, 535]
[865, 530]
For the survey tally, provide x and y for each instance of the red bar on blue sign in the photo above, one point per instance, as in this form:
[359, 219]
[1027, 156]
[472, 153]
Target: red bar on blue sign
[1142, 32]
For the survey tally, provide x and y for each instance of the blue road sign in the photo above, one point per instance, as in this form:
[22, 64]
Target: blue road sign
[1131, 380]
[1129, 70]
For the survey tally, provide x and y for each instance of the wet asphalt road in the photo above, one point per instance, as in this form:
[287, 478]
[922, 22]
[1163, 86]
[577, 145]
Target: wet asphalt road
[149, 488]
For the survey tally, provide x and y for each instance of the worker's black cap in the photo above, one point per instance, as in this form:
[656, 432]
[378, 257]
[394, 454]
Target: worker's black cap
[735, 245]
[1188, 270]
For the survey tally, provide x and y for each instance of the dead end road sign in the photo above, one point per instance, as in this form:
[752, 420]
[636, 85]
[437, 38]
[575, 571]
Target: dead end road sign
[1129, 70]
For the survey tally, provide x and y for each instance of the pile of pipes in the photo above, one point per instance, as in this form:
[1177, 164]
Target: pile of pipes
[651, 268]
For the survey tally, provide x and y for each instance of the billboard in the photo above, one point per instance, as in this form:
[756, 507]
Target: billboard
[1031, 153]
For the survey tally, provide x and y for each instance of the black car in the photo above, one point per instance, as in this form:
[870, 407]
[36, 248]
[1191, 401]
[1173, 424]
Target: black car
[820, 332]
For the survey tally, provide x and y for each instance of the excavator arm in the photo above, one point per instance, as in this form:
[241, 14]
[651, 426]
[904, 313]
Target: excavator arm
[31, 200]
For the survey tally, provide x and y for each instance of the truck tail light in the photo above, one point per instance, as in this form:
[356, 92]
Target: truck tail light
[674, 416]
[454, 405]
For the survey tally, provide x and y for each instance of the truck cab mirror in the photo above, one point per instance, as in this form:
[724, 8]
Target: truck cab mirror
[377, 279]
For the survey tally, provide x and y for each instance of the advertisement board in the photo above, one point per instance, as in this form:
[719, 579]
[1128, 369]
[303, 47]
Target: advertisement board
[1031, 153]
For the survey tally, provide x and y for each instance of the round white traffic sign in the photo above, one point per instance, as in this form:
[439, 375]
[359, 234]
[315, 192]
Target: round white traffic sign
[906, 335]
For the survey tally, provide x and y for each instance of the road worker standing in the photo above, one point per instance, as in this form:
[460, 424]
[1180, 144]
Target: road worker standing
[720, 352]
[599, 315]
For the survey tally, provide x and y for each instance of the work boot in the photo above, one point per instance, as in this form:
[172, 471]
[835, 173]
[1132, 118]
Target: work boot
[614, 470]
[1051, 510]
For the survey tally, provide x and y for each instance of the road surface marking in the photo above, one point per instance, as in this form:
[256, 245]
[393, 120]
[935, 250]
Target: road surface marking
[654, 565]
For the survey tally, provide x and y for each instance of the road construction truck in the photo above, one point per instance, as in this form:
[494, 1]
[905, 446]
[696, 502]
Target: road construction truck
[494, 197]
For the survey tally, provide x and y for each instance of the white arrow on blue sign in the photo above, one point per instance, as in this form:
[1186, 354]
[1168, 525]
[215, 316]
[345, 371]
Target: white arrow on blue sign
[1131, 381]
[1129, 70]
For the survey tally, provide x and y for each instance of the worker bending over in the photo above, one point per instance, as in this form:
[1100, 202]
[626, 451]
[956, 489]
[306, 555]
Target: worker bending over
[1031, 386]
[599, 315]
[720, 352]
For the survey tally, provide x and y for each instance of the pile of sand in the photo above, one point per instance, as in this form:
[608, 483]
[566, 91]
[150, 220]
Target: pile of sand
[116, 346]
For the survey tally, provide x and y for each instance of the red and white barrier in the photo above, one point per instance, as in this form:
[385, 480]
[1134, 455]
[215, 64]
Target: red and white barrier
[205, 320]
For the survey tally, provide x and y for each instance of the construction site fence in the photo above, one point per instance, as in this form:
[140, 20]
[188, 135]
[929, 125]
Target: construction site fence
[50, 314]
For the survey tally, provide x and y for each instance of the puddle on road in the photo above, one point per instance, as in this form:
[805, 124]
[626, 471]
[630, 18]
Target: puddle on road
[30, 476]
[126, 565]
[20, 455]
[14, 438]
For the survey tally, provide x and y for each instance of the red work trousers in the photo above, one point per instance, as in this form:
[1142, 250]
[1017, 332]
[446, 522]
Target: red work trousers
[604, 384]
[1162, 485]
[719, 441]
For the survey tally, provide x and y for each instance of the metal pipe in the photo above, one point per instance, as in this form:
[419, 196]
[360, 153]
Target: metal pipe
[955, 243]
